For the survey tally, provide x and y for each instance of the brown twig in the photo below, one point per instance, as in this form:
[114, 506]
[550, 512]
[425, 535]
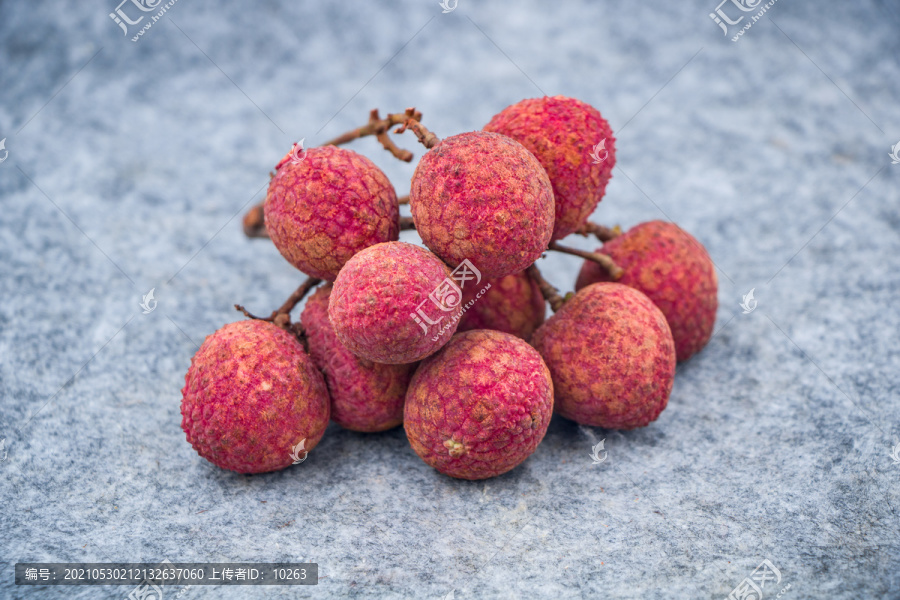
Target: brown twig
[407, 223]
[379, 128]
[614, 270]
[282, 316]
[550, 293]
[426, 138]
[255, 222]
[601, 232]
[403, 200]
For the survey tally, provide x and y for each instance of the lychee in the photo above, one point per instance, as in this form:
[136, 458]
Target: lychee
[252, 397]
[575, 145]
[480, 406]
[365, 396]
[512, 304]
[394, 303]
[326, 204]
[674, 270]
[611, 355]
[482, 196]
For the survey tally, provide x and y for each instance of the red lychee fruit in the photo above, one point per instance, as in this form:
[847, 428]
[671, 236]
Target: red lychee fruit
[674, 270]
[574, 144]
[251, 396]
[326, 204]
[480, 406]
[611, 355]
[512, 304]
[483, 197]
[394, 303]
[365, 396]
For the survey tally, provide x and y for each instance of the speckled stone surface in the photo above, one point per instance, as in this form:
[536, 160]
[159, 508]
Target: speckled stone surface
[131, 163]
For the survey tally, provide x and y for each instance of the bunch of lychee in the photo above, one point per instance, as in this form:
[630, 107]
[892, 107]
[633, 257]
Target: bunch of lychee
[449, 338]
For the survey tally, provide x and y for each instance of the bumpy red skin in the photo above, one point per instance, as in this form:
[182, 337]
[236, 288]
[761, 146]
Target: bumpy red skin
[329, 206]
[562, 133]
[250, 396]
[513, 304]
[611, 355]
[365, 396]
[484, 197]
[375, 297]
[674, 270]
[480, 406]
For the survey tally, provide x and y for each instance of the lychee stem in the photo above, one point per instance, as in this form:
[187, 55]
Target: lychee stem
[282, 316]
[550, 293]
[426, 138]
[403, 199]
[379, 128]
[255, 223]
[601, 232]
[614, 270]
[407, 223]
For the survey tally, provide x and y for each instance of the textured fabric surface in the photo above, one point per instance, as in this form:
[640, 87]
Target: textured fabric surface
[130, 165]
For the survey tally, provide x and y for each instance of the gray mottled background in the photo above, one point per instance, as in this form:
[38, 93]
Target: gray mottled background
[130, 165]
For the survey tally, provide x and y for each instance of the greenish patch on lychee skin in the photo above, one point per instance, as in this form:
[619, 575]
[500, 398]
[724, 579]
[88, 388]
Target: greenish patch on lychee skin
[455, 449]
